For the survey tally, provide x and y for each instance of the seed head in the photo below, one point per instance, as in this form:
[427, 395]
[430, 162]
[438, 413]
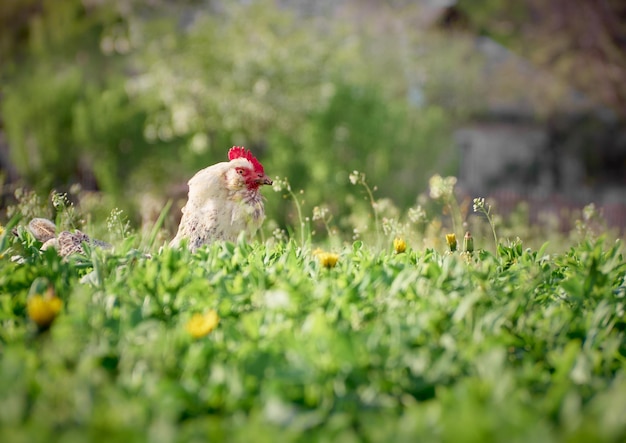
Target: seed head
[468, 242]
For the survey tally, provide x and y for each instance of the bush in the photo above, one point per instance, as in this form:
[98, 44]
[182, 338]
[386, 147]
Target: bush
[273, 338]
[139, 101]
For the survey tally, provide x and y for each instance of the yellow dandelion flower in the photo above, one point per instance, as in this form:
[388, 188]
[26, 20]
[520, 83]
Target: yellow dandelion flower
[399, 245]
[200, 325]
[451, 240]
[1, 229]
[43, 309]
[328, 259]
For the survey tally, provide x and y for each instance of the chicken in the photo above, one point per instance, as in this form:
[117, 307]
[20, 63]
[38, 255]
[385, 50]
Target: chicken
[224, 200]
[66, 243]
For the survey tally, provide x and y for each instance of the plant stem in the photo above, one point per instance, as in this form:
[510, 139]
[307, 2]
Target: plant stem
[373, 204]
[299, 210]
[453, 215]
[493, 228]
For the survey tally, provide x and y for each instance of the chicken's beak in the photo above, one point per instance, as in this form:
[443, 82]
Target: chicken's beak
[264, 180]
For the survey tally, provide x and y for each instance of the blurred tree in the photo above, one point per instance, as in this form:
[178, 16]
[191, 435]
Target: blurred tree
[582, 41]
[15, 17]
[65, 105]
[143, 94]
[314, 101]
[40, 90]
[55, 59]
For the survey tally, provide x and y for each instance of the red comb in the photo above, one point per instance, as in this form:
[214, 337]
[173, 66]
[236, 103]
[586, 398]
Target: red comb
[241, 152]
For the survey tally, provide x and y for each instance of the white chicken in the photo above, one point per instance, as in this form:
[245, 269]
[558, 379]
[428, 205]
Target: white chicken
[224, 200]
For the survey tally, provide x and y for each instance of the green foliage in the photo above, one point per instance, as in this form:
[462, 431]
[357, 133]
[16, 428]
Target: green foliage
[41, 133]
[66, 109]
[419, 345]
[138, 101]
[360, 129]
[499, 20]
[377, 345]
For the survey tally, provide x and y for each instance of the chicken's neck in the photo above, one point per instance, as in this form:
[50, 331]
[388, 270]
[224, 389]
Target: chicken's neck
[250, 196]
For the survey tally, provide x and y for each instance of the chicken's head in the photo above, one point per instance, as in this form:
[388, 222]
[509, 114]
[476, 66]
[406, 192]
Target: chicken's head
[245, 171]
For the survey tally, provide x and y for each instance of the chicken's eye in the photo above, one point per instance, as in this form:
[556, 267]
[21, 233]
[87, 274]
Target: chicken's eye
[239, 171]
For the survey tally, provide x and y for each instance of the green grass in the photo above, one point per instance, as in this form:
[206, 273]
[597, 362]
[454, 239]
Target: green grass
[418, 346]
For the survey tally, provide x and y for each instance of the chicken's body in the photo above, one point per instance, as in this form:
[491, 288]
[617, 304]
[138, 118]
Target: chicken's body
[224, 200]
